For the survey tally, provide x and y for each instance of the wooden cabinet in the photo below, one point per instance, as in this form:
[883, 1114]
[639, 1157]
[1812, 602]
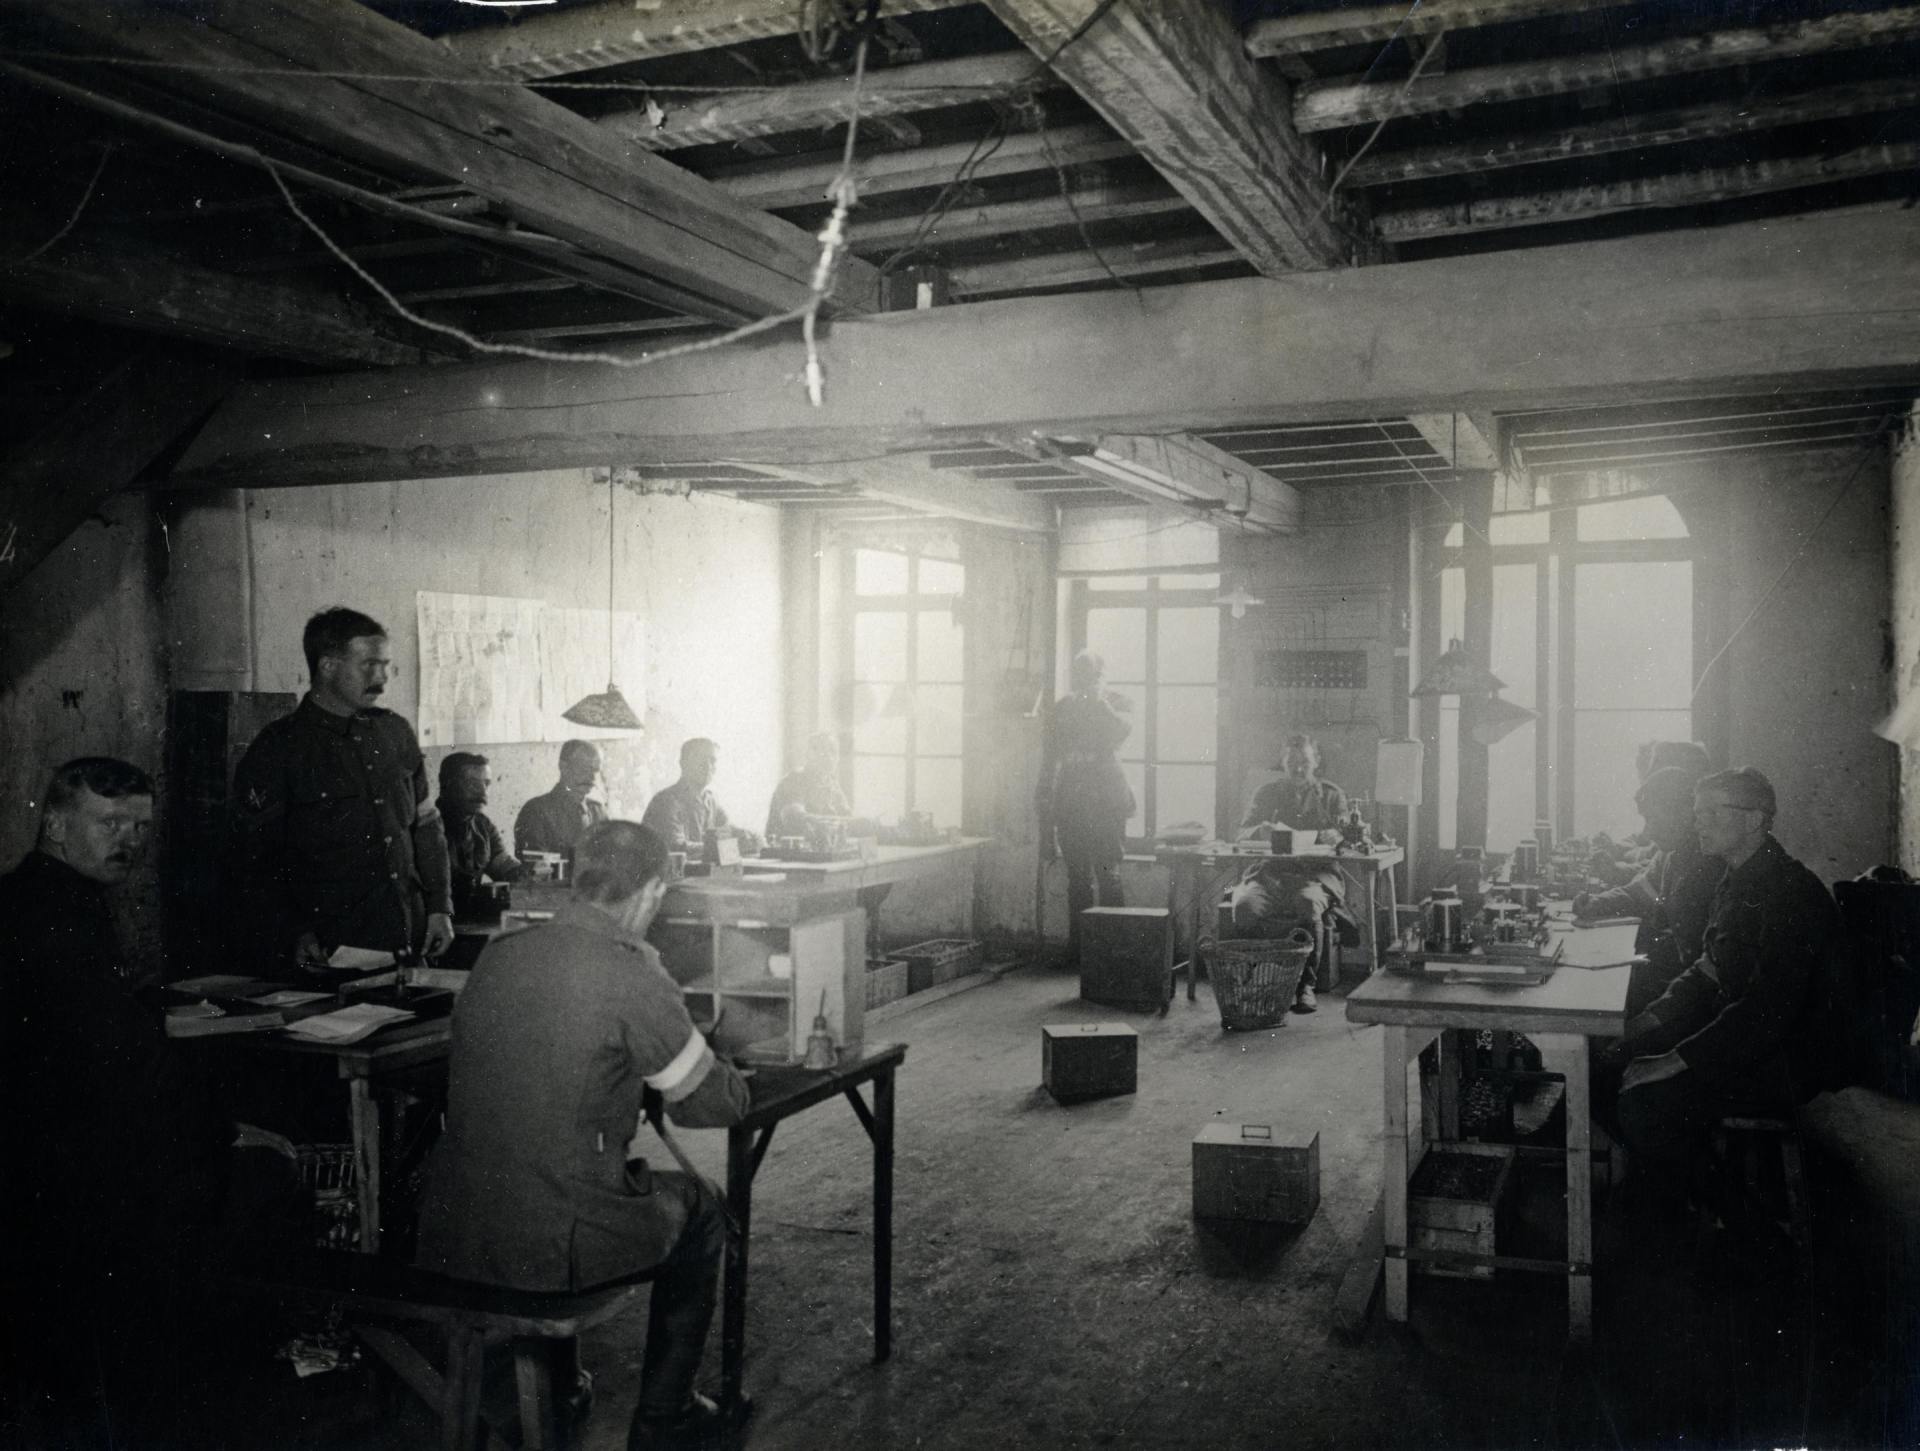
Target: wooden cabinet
[769, 981]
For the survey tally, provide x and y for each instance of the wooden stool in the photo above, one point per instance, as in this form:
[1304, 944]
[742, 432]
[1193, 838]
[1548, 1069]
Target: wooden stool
[1798, 1226]
[471, 1317]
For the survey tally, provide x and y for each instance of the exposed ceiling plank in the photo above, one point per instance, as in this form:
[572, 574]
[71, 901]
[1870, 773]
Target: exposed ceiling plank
[1176, 81]
[1458, 440]
[123, 282]
[1631, 457]
[588, 37]
[1529, 428]
[98, 444]
[1066, 269]
[1806, 303]
[776, 184]
[1248, 498]
[466, 291]
[536, 161]
[899, 91]
[1310, 30]
[1637, 131]
[911, 482]
[1326, 105]
[1679, 189]
[1088, 204]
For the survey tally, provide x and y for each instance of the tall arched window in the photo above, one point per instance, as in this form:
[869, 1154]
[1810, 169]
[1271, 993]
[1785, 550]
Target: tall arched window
[1592, 629]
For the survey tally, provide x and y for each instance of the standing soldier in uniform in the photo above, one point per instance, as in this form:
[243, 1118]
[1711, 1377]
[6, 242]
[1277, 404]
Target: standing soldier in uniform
[337, 838]
[1084, 801]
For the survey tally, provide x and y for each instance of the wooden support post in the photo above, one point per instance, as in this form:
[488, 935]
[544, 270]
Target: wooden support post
[1579, 1182]
[1476, 505]
[1399, 1164]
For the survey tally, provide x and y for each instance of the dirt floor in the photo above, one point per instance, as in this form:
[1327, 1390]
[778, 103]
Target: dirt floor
[1052, 1288]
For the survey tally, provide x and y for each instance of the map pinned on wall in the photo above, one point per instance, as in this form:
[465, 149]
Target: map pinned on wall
[495, 670]
[479, 669]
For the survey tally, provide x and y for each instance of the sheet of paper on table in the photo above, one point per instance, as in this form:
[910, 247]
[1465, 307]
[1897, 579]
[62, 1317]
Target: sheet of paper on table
[346, 1025]
[287, 997]
[358, 959]
[219, 985]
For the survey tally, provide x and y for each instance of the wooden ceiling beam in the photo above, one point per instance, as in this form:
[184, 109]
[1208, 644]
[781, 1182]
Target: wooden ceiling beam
[104, 438]
[1678, 189]
[1458, 439]
[1182, 473]
[1328, 105]
[283, 67]
[1175, 80]
[589, 37]
[122, 282]
[1136, 260]
[776, 184]
[898, 91]
[1087, 204]
[1638, 131]
[911, 482]
[1311, 30]
[1805, 303]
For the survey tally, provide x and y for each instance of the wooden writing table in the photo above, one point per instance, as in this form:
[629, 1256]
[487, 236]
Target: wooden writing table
[1195, 875]
[1560, 1014]
[872, 879]
[779, 1093]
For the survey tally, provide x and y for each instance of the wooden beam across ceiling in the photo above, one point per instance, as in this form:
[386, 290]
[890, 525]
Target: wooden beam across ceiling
[1808, 303]
[1637, 131]
[911, 482]
[1327, 29]
[1459, 439]
[286, 67]
[809, 105]
[1138, 260]
[589, 37]
[1328, 105]
[1678, 189]
[1176, 81]
[124, 282]
[1082, 205]
[1188, 474]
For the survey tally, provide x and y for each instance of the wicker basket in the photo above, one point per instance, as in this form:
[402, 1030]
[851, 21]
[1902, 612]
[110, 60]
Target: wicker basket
[1254, 979]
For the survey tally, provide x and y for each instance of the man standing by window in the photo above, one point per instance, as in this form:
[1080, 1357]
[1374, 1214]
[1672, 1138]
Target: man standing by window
[1084, 800]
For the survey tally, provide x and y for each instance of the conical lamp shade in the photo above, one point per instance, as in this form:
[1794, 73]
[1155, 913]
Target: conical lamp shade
[1499, 719]
[607, 711]
[1458, 673]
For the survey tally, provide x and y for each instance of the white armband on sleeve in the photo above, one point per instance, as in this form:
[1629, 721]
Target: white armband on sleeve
[686, 1072]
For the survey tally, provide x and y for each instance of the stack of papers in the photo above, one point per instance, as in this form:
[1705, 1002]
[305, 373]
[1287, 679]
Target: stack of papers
[358, 959]
[346, 1025]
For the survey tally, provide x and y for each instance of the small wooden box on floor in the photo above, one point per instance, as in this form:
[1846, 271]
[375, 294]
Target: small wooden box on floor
[1126, 958]
[1088, 1060]
[1253, 1171]
[1453, 1202]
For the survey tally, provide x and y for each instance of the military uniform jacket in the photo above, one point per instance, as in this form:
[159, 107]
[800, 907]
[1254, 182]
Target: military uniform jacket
[1083, 794]
[554, 1038]
[681, 816]
[475, 851]
[553, 822]
[1673, 898]
[335, 833]
[1749, 996]
[1310, 805]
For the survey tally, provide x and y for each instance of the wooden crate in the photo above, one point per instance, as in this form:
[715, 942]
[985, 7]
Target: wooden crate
[1126, 957]
[1088, 1060]
[886, 982]
[938, 960]
[1255, 1171]
[1453, 1203]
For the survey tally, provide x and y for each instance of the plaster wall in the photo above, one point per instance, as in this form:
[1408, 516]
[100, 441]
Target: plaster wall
[703, 572]
[1808, 678]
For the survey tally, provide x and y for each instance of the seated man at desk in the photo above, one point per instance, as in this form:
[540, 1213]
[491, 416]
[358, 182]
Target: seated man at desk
[813, 790]
[553, 822]
[1272, 898]
[1737, 1032]
[1672, 894]
[475, 851]
[684, 813]
[555, 1038]
[121, 1164]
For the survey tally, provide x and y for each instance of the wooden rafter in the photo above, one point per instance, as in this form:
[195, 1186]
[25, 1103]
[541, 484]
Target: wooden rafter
[1459, 439]
[1088, 204]
[1136, 260]
[1328, 105]
[902, 90]
[776, 184]
[1810, 303]
[282, 67]
[1678, 189]
[1637, 131]
[1325, 29]
[1176, 81]
[910, 482]
[124, 282]
[588, 37]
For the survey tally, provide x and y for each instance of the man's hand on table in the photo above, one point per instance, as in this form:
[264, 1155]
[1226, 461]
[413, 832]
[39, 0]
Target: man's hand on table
[1582, 907]
[439, 933]
[308, 954]
[1643, 1071]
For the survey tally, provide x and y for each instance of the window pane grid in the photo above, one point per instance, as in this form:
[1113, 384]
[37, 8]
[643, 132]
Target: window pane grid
[907, 658]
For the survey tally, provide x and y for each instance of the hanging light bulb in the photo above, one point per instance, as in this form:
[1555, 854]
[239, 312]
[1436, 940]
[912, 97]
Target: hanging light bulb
[608, 709]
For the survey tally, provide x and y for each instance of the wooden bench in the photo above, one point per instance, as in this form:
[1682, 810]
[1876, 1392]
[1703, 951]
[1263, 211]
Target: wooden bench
[470, 1317]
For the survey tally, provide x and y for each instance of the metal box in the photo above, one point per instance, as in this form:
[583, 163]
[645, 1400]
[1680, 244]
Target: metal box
[1088, 1060]
[1254, 1171]
[1126, 957]
[1453, 1202]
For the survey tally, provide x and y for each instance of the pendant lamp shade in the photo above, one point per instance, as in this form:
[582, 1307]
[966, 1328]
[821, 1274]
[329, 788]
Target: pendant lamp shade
[1499, 719]
[607, 710]
[1458, 673]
